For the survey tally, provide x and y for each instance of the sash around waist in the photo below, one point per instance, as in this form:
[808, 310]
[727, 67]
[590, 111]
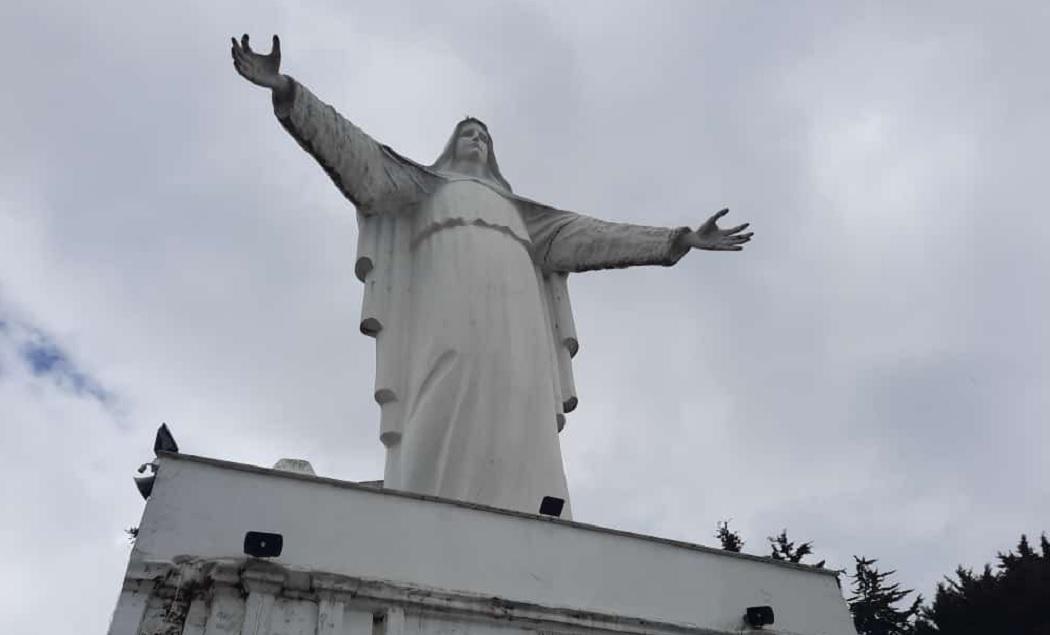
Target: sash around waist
[452, 223]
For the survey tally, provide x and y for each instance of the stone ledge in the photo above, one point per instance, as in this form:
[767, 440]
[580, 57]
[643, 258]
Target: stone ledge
[197, 576]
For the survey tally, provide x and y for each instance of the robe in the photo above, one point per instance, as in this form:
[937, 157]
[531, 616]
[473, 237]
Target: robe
[466, 296]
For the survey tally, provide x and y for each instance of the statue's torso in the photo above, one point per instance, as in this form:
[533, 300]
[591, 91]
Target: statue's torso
[481, 393]
[465, 202]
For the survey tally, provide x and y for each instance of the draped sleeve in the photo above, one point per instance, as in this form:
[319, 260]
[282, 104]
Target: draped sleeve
[386, 188]
[568, 242]
[372, 176]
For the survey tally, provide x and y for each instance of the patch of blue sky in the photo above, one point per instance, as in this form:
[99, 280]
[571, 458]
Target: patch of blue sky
[44, 358]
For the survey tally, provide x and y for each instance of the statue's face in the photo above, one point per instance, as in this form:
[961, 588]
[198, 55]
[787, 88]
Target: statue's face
[472, 143]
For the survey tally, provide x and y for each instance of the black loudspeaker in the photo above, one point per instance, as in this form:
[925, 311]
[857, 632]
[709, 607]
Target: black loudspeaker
[263, 545]
[552, 506]
[759, 616]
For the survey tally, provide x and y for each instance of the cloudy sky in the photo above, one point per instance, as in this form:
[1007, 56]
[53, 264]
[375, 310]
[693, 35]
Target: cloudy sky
[870, 373]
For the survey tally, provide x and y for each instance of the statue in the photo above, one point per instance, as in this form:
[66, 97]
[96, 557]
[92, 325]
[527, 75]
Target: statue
[466, 297]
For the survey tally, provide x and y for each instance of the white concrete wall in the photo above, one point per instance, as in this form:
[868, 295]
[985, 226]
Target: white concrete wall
[203, 508]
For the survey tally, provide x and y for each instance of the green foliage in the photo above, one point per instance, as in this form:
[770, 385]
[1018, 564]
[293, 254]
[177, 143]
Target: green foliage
[730, 540]
[784, 549]
[1011, 598]
[874, 601]
[1014, 599]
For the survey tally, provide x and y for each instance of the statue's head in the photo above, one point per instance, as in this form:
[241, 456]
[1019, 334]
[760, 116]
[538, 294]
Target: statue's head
[472, 142]
[469, 150]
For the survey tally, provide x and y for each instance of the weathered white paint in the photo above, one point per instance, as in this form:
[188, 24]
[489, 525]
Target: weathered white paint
[430, 565]
[131, 606]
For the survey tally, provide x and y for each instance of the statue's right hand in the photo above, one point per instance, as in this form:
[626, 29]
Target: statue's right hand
[261, 70]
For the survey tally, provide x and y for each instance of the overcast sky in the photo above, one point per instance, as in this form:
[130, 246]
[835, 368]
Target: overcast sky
[870, 373]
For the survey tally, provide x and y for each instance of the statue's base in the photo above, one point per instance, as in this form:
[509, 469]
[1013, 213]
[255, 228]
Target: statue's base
[358, 560]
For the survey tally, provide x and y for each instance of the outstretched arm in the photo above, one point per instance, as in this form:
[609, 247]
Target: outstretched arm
[363, 170]
[569, 242]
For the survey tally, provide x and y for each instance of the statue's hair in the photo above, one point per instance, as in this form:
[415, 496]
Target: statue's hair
[448, 155]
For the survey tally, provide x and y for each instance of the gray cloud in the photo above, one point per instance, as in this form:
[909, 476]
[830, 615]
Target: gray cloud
[869, 374]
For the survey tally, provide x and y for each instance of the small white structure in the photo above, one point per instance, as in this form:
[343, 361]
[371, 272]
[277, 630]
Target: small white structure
[357, 560]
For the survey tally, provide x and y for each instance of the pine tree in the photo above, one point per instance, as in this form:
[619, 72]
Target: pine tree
[784, 549]
[873, 600]
[1011, 600]
[730, 540]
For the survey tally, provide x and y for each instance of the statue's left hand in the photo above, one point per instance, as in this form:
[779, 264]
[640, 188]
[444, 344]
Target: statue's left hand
[712, 238]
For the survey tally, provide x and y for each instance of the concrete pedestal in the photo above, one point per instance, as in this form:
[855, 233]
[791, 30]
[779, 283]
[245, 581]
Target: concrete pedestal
[362, 561]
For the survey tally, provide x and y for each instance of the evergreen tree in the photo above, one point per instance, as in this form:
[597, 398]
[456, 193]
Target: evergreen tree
[874, 599]
[730, 540]
[784, 549]
[1012, 600]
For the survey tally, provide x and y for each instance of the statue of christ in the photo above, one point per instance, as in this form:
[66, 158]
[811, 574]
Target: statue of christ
[466, 297]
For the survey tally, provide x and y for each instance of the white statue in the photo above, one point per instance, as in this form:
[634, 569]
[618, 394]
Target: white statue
[465, 293]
